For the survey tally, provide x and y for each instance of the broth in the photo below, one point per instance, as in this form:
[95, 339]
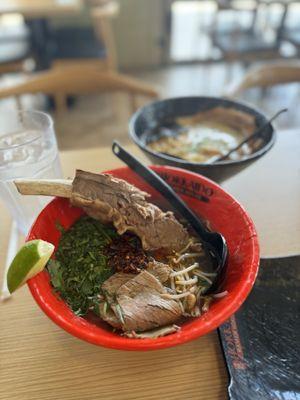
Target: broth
[204, 136]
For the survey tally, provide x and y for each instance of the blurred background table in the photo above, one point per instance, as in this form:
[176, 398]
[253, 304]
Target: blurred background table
[36, 15]
[38, 8]
[38, 360]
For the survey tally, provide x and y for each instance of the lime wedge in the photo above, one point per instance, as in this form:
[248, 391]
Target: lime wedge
[28, 262]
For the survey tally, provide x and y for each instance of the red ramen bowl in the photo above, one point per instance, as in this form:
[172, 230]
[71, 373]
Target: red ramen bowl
[211, 203]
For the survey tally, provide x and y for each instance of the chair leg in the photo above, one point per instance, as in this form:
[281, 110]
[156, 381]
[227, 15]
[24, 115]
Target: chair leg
[60, 101]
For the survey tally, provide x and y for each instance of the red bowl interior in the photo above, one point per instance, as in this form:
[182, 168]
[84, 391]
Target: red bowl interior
[212, 204]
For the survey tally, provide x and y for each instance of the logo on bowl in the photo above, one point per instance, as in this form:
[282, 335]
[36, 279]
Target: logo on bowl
[188, 187]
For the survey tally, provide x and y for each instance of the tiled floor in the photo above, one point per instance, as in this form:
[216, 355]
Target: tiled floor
[97, 120]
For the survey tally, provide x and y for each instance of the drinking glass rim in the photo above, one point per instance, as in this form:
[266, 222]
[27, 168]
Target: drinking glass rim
[34, 112]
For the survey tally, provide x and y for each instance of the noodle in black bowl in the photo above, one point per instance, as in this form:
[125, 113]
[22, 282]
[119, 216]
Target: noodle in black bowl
[147, 121]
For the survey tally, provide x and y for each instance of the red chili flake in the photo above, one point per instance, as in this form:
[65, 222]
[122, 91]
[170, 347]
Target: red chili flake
[125, 254]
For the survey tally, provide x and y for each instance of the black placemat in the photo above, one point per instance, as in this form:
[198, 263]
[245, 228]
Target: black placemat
[261, 342]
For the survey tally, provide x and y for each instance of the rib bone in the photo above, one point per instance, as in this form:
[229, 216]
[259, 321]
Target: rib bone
[45, 187]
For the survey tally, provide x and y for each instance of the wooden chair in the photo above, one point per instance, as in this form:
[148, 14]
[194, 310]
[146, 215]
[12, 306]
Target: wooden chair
[266, 76]
[103, 52]
[241, 44]
[78, 76]
[101, 17]
[78, 79]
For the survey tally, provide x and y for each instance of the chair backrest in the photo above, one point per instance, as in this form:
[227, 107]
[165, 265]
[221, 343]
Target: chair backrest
[76, 80]
[265, 76]
[236, 8]
[101, 14]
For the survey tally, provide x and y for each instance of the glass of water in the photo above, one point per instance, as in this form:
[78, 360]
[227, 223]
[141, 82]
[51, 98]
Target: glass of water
[28, 149]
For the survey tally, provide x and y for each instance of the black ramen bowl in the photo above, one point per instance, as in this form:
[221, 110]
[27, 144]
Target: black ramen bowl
[147, 118]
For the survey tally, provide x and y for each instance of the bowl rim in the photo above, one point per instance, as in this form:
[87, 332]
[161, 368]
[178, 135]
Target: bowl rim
[185, 163]
[121, 343]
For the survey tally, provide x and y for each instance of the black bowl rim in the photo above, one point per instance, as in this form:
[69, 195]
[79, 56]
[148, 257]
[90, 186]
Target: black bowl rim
[260, 152]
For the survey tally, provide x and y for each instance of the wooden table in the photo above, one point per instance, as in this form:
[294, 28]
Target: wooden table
[36, 14]
[40, 8]
[39, 361]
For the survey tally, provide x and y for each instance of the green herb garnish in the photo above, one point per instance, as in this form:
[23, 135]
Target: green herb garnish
[80, 266]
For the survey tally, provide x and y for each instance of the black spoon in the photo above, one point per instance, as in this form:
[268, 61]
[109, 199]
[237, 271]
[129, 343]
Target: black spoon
[254, 135]
[214, 242]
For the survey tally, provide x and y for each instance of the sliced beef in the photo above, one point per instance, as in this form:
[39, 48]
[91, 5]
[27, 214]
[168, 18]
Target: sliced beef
[112, 284]
[108, 315]
[142, 306]
[155, 333]
[114, 200]
[135, 302]
[160, 270]
[109, 289]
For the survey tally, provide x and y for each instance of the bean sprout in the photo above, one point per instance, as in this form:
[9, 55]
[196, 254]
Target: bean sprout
[181, 306]
[220, 295]
[172, 283]
[212, 274]
[185, 256]
[188, 282]
[186, 276]
[198, 273]
[175, 296]
[186, 247]
[190, 268]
